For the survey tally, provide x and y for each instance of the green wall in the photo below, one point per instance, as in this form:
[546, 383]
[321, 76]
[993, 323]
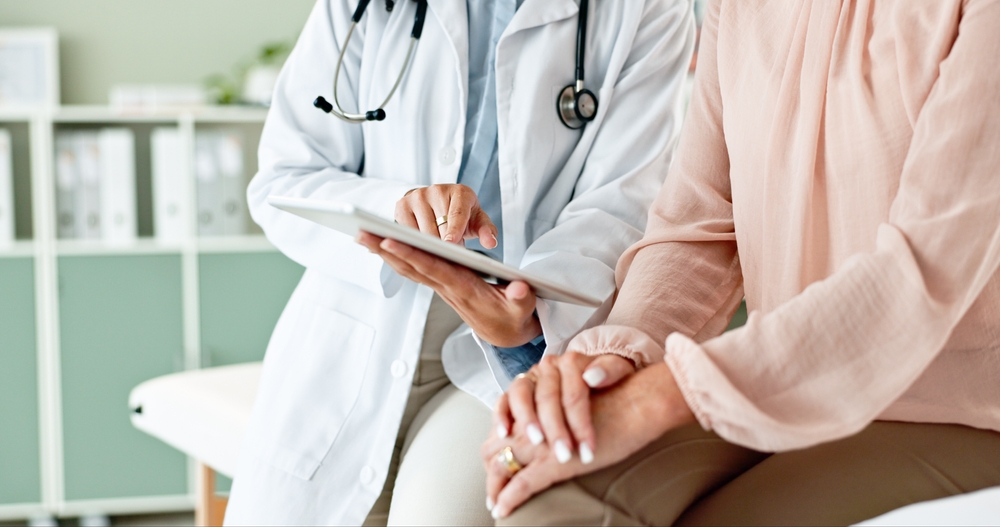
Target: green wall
[107, 42]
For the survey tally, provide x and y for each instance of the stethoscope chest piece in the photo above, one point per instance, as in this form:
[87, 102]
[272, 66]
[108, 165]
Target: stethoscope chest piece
[576, 107]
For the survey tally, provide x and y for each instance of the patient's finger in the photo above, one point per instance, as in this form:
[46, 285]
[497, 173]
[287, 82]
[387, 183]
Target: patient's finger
[521, 397]
[497, 475]
[576, 402]
[533, 479]
[607, 370]
[548, 404]
[502, 417]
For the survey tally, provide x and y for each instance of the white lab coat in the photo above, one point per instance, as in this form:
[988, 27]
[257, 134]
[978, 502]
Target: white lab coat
[340, 363]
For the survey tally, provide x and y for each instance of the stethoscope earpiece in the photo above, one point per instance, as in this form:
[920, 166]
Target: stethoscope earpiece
[377, 114]
[323, 104]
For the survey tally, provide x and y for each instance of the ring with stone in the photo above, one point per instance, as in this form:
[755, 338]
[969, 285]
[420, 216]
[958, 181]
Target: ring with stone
[506, 458]
[530, 375]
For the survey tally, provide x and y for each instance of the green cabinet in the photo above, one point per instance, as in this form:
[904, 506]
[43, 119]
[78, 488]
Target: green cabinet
[20, 476]
[241, 297]
[121, 324]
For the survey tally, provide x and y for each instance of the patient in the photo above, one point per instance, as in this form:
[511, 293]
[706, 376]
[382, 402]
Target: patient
[840, 169]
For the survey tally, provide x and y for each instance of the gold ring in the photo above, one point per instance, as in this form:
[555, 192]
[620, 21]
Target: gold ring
[441, 220]
[506, 458]
[530, 375]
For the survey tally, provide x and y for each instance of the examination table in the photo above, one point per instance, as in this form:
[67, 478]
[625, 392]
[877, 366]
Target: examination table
[204, 414]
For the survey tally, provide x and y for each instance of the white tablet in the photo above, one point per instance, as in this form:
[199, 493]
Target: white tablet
[349, 219]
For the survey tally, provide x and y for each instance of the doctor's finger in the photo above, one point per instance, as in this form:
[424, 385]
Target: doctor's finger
[481, 226]
[426, 217]
[548, 404]
[369, 241]
[456, 281]
[460, 207]
[402, 265]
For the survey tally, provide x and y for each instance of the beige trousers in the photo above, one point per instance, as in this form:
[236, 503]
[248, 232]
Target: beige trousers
[436, 476]
[693, 477]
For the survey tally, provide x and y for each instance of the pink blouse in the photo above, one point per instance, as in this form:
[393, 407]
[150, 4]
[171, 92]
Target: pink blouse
[840, 168]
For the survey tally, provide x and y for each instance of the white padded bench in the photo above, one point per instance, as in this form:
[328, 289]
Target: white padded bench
[203, 413]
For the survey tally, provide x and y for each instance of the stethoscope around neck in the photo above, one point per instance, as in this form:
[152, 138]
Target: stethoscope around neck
[575, 105]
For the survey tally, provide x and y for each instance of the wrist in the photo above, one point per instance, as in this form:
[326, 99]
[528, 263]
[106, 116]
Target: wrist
[671, 408]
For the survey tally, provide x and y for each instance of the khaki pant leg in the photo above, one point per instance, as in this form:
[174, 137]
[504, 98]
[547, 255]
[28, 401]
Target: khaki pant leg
[428, 380]
[441, 479]
[652, 487]
[884, 467]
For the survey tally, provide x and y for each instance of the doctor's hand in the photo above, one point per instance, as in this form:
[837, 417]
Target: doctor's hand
[448, 211]
[501, 315]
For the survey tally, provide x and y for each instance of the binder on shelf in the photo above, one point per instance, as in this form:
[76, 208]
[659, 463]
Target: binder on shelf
[209, 185]
[66, 184]
[116, 148]
[229, 149]
[6, 189]
[88, 189]
[169, 212]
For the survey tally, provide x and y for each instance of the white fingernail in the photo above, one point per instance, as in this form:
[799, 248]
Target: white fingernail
[562, 452]
[534, 435]
[489, 503]
[502, 431]
[495, 513]
[586, 454]
[594, 376]
[495, 242]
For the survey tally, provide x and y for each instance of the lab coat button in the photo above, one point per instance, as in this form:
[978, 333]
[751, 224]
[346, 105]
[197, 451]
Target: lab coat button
[398, 368]
[447, 155]
[367, 475]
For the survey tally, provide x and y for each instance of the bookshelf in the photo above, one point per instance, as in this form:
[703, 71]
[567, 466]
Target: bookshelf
[84, 321]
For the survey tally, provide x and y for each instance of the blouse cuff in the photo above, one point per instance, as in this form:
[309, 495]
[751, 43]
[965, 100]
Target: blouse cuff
[677, 345]
[624, 341]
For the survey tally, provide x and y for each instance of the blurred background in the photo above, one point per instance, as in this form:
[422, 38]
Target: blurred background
[128, 134]
[126, 251]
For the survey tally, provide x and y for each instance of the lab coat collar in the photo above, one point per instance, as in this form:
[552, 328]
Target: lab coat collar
[454, 19]
[535, 13]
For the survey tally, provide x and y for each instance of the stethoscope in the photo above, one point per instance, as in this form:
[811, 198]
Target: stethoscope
[575, 105]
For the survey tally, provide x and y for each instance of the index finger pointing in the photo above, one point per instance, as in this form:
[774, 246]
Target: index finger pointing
[459, 210]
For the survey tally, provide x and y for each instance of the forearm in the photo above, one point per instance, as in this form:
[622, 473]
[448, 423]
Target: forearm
[691, 288]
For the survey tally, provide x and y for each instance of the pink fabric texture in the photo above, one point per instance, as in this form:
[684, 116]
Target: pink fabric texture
[840, 168]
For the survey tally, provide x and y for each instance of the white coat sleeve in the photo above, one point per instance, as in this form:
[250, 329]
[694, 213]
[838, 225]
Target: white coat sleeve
[309, 154]
[623, 170]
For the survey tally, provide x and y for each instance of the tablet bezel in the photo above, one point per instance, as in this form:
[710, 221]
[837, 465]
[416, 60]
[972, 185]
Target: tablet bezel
[349, 219]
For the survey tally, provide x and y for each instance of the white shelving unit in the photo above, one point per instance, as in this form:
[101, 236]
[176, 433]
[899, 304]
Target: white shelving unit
[46, 249]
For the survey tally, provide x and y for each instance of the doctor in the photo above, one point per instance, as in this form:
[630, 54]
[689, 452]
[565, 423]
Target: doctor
[474, 120]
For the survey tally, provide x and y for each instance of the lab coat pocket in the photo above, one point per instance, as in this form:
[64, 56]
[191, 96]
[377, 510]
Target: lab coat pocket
[324, 385]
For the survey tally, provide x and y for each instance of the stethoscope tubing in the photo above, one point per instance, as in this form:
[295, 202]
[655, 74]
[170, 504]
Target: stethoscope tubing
[362, 117]
[568, 104]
